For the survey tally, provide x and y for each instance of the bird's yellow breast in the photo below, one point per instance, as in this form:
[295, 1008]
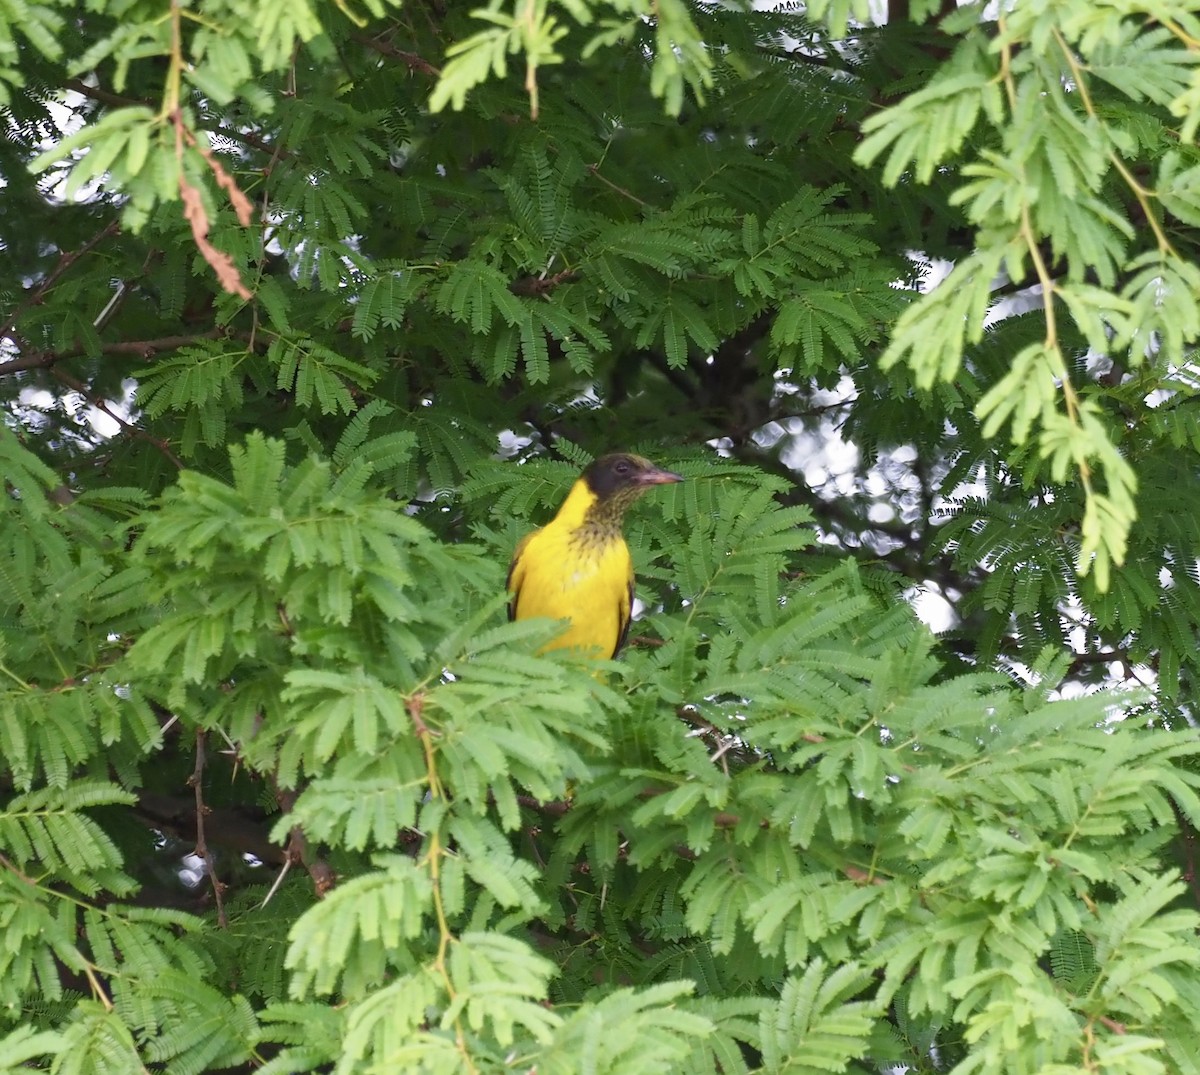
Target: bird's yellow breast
[565, 571]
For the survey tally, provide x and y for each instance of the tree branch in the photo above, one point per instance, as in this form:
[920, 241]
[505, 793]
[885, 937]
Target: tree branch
[102, 405]
[1188, 838]
[543, 285]
[144, 349]
[196, 780]
[65, 261]
[103, 96]
[386, 48]
[297, 850]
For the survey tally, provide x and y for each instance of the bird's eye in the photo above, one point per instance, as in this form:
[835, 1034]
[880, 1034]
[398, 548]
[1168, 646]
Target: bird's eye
[621, 466]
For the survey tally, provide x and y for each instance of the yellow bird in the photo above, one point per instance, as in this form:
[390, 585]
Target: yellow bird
[577, 567]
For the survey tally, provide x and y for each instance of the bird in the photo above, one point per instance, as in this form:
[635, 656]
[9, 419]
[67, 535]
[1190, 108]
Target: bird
[577, 567]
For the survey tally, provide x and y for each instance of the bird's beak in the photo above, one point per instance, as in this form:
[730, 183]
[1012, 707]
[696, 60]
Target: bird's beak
[654, 476]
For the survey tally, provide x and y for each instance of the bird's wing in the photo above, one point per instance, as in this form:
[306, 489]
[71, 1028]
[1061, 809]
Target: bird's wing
[516, 574]
[624, 614]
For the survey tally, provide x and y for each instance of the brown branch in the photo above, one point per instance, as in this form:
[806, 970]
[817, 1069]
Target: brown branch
[323, 877]
[1187, 835]
[102, 405]
[250, 141]
[542, 285]
[65, 261]
[645, 642]
[555, 808]
[862, 877]
[384, 48]
[196, 780]
[103, 96]
[297, 849]
[144, 349]
[416, 706]
[149, 348]
[13, 869]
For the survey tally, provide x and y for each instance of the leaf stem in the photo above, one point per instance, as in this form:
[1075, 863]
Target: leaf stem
[1141, 193]
[433, 859]
[15, 678]
[171, 88]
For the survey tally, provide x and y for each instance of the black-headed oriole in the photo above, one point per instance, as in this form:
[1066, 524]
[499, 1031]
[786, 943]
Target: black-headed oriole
[577, 567]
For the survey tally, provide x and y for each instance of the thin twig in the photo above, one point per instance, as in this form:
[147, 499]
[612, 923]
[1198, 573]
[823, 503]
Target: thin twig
[1187, 833]
[65, 261]
[287, 865]
[250, 141]
[98, 990]
[103, 96]
[594, 171]
[102, 405]
[202, 852]
[1139, 192]
[384, 48]
[264, 217]
[8, 864]
[415, 705]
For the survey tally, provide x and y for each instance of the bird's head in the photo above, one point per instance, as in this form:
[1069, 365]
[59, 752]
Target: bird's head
[618, 480]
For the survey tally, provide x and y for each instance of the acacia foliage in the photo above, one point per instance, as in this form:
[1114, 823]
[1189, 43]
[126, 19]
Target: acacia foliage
[334, 251]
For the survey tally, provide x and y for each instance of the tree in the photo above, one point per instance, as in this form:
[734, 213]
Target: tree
[357, 288]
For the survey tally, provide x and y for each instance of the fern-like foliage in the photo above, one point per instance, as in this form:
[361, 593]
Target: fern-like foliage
[309, 312]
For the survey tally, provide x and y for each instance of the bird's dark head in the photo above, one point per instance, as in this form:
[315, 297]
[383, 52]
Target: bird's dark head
[621, 478]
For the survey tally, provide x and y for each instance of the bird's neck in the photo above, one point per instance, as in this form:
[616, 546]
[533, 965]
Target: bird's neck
[585, 513]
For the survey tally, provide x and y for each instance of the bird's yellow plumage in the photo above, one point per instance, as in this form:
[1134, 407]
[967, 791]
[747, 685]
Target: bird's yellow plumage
[577, 567]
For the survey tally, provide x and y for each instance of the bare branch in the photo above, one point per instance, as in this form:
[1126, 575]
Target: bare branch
[386, 48]
[196, 780]
[102, 405]
[144, 349]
